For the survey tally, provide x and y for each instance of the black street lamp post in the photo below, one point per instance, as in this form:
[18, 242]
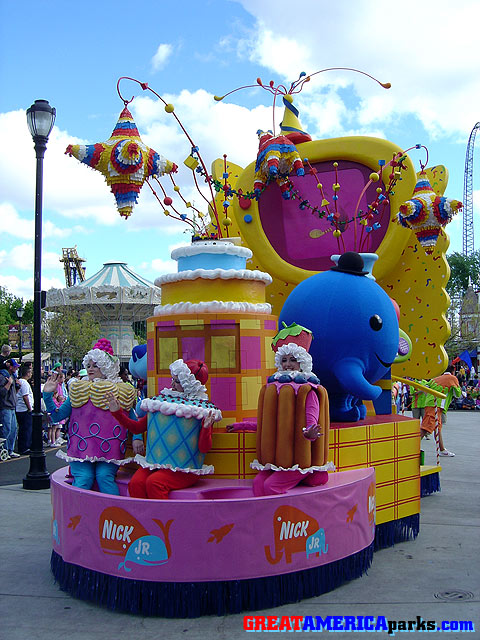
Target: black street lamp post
[40, 119]
[20, 312]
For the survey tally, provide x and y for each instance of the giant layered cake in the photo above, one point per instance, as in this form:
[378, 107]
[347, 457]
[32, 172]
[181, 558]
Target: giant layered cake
[213, 277]
[213, 309]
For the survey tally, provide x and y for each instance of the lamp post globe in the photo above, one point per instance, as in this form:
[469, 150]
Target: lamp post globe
[40, 120]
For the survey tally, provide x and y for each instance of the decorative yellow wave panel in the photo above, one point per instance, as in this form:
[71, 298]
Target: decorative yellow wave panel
[84, 390]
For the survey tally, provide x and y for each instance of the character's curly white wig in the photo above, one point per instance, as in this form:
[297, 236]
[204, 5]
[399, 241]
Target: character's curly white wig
[293, 349]
[108, 365]
[191, 386]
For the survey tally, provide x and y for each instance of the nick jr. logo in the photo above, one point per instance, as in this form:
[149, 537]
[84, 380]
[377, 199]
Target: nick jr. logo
[291, 528]
[121, 534]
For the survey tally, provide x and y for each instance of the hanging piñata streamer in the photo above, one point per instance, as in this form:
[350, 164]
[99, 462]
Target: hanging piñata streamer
[427, 213]
[124, 161]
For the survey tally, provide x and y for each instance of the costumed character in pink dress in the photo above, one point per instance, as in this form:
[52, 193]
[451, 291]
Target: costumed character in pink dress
[96, 441]
[293, 419]
[179, 424]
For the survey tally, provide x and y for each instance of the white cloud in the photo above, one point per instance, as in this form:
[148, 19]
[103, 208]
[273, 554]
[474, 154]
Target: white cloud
[158, 266]
[11, 223]
[71, 189]
[23, 288]
[20, 258]
[270, 49]
[222, 128]
[326, 117]
[418, 51]
[79, 229]
[164, 51]
[50, 230]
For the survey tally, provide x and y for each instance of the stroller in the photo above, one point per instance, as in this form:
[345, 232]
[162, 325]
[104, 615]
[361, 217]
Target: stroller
[3, 451]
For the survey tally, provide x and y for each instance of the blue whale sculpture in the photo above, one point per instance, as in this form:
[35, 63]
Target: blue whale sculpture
[355, 329]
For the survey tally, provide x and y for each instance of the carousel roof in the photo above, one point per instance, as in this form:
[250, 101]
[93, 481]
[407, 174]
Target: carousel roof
[115, 284]
[116, 274]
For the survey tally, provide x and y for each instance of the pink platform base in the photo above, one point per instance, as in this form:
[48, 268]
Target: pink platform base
[215, 533]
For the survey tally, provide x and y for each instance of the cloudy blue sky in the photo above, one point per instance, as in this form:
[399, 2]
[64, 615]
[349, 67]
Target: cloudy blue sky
[72, 54]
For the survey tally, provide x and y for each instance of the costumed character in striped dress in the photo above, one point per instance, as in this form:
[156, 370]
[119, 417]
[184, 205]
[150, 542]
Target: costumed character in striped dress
[179, 424]
[96, 441]
[418, 402]
[293, 419]
[448, 384]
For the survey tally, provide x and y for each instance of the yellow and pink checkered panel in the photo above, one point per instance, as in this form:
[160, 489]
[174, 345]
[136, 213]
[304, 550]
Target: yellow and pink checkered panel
[235, 347]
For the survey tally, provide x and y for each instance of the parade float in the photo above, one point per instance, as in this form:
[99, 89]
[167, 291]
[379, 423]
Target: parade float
[262, 250]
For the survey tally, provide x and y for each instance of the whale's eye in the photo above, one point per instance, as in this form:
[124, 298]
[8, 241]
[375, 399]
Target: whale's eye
[376, 322]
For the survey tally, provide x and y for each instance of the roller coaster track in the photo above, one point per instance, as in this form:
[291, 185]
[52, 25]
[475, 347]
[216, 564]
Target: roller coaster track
[468, 235]
[72, 264]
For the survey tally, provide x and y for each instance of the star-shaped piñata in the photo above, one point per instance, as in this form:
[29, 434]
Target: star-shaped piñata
[426, 213]
[124, 161]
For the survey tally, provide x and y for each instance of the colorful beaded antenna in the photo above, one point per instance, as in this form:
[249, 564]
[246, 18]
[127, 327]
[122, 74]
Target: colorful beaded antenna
[425, 214]
[127, 163]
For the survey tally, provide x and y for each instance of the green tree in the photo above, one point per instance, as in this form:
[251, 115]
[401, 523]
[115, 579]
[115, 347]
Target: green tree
[4, 322]
[464, 271]
[28, 315]
[140, 331]
[70, 334]
[458, 343]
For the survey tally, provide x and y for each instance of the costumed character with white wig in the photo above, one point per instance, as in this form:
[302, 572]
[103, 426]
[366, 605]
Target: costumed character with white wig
[96, 441]
[179, 433]
[293, 419]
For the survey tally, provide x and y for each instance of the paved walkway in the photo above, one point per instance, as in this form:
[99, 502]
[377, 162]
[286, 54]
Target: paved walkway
[13, 471]
[408, 580]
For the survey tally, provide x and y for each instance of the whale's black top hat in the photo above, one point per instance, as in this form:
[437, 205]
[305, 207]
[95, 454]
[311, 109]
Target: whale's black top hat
[350, 262]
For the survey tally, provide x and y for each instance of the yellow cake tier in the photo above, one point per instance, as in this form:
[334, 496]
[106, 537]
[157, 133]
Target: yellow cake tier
[203, 290]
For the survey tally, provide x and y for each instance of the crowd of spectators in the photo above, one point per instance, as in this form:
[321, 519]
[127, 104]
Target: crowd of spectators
[16, 404]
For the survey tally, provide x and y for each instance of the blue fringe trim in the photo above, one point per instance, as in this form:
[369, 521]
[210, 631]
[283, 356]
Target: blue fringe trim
[429, 484]
[194, 599]
[401, 530]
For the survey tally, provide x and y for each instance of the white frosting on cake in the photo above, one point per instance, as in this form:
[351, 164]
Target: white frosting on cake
[212, 306]
[214, 274]
[168, 407]
[329, 466]
[217, 246]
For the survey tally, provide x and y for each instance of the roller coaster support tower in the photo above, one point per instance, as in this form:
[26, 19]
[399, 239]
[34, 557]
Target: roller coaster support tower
[468, 235]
